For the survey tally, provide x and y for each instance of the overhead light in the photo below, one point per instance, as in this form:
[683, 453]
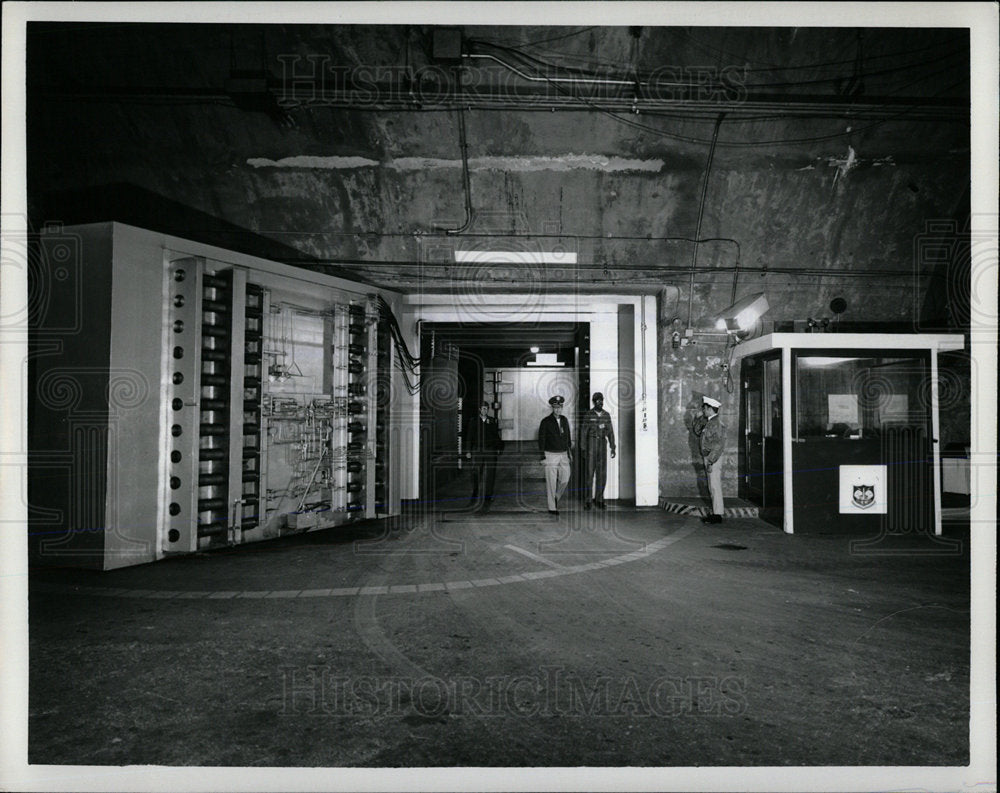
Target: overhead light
[545, 359]
[742, 314]
[516, 257]
[533, 349]
[819, 360]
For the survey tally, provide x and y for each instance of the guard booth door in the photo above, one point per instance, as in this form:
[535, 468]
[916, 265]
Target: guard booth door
[760, 417]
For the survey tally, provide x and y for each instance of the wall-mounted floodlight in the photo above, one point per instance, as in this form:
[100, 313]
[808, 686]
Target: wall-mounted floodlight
[742, 314]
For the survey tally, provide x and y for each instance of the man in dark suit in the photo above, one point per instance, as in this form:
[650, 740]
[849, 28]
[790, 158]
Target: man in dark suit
[556, 449]
[483, 445]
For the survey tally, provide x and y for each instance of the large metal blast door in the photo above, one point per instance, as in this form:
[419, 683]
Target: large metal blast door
[439, 395]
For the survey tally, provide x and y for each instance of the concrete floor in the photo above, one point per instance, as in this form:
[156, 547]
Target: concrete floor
[455, 638]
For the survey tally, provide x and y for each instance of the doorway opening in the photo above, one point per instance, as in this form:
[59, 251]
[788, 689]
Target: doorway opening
[760, 454]
[512, 368]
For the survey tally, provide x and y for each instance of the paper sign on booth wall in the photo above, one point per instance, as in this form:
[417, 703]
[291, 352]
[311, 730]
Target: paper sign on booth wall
[896, 408]
[842, 409]
[863, 489]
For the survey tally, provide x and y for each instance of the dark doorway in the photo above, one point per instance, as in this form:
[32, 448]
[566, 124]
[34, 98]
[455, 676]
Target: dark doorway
[512, 367]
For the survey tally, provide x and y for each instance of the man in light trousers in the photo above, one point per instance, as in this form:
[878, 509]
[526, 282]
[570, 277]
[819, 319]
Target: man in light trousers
[555, 447]
[710, 431]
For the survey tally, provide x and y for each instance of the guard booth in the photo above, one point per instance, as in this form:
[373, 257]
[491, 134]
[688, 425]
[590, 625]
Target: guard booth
[839, 431]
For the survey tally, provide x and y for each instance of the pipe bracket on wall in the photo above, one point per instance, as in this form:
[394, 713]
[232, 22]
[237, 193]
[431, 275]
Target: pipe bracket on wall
[701, 212]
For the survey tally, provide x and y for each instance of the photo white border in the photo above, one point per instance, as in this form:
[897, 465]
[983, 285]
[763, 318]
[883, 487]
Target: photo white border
[15, 774]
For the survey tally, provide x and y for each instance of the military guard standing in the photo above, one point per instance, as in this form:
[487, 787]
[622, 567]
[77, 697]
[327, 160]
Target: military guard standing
[596, 434]
[556, 449]
[711, 434]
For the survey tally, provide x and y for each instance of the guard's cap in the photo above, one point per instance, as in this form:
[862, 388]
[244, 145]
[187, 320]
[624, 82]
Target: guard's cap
[557, 400]
[598, 395]
[715, 403]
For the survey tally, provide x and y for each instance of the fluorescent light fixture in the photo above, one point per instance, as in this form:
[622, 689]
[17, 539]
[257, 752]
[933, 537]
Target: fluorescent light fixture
[742, 314]
[515, 257]
[545, 359]
[815, 361]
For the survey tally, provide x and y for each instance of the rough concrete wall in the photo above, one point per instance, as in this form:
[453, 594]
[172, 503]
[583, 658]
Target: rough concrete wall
[687, 374]
[358, 185]
[781, 216]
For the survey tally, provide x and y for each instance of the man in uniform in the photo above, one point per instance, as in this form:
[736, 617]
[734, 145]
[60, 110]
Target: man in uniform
[556, 449]
[596, 434]
[482, 435]
[711, 432]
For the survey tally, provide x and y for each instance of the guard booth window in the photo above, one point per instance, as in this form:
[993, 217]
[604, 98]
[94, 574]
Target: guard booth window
[772, 390]
[860, 397]
[868, 411]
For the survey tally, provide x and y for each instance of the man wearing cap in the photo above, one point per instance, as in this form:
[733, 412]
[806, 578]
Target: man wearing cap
[482, 434]
[556, 449]
[596, 433]
[710, 432]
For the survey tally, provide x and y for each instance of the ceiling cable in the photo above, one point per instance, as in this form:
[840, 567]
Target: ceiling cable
[701, 211]
[732, 57]
[466, 185]
[654, 271]
[773, 67]
[587, 76]
[555, 82]
[535, 79]
[555, 38]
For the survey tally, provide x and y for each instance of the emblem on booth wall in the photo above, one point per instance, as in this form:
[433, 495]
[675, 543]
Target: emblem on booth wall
[864, 496]
[862, 490]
